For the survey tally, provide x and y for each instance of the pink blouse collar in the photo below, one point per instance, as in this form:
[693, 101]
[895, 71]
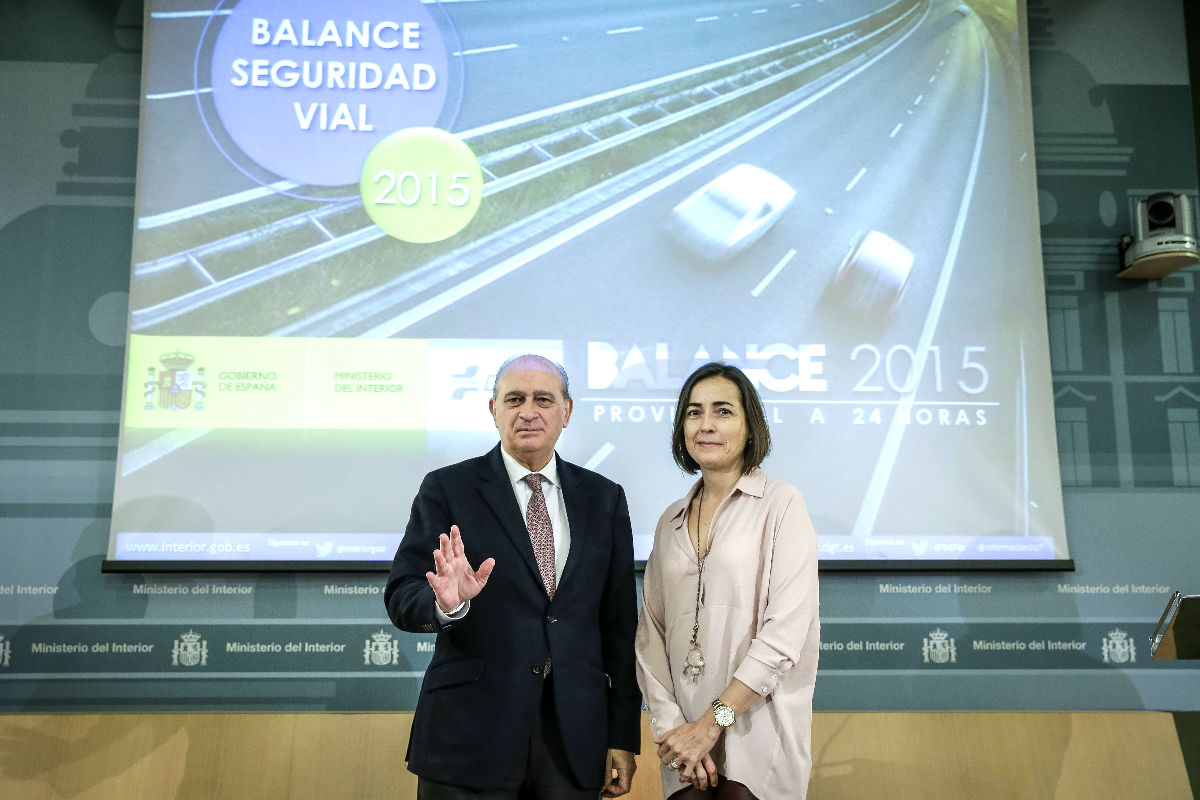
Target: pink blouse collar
[753, 483]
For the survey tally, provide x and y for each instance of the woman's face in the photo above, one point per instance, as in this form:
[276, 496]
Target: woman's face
[714, 425]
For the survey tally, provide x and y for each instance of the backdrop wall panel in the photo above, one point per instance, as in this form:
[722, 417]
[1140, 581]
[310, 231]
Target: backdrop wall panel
[1109, 125]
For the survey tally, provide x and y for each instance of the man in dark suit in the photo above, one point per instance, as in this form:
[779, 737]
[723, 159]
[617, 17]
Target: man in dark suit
[531, 691]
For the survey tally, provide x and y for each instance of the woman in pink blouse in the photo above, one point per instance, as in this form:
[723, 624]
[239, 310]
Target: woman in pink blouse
[729, 634]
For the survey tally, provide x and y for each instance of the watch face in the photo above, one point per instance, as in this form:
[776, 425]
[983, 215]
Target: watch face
[723, 714]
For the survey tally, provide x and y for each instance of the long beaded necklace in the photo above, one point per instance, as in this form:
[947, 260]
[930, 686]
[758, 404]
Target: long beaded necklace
[694, 663]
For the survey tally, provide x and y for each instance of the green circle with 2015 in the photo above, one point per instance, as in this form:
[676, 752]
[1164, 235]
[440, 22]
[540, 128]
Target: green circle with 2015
[421, 185]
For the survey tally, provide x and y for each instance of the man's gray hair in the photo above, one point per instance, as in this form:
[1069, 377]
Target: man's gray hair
[543, 362]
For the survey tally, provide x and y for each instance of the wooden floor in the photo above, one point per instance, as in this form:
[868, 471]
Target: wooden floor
[361, 756]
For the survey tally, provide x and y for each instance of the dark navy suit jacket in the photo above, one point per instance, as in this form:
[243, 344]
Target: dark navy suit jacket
[483, 687]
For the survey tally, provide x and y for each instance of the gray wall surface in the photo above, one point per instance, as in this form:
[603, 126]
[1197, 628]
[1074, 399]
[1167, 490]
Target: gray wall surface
[1113, 121]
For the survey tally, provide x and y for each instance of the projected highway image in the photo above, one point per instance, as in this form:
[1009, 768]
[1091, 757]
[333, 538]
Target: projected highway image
[331, 261]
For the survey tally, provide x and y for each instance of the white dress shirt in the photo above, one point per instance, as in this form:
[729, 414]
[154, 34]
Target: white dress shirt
[555, 507]
[554, 504]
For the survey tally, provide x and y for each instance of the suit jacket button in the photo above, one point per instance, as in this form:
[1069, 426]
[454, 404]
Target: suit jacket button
[537, 669]
[552, 620]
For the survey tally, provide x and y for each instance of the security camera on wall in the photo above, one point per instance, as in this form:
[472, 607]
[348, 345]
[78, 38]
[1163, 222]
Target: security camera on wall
[1163, 240]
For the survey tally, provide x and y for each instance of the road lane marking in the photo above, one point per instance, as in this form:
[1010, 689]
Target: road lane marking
[478, 50]
[707, 19]
[616, 31]
[917, 102]
[895, 130]
[134, 460]
[604, 452]
[1023, 411]
[184, 93]
[868, 512]
[190, 14]
[774, 271]
[857, 178]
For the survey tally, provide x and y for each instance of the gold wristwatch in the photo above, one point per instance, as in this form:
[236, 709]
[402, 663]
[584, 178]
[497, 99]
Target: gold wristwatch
[723, 713]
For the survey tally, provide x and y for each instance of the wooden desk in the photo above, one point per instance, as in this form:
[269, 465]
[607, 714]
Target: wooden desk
[361, 756]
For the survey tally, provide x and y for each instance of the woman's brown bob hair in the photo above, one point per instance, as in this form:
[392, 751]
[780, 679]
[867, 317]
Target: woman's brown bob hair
[758, 442]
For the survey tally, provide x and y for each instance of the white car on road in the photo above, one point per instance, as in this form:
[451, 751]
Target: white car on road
[730, 212]
[874, 274]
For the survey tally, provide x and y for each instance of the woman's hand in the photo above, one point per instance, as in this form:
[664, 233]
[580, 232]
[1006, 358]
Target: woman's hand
[702, 775]
[688, 746]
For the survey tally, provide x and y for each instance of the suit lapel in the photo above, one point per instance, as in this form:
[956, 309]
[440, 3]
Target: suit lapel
[577, 503]
[499, 496]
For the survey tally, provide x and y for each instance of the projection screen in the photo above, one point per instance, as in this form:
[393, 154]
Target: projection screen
[348, 214]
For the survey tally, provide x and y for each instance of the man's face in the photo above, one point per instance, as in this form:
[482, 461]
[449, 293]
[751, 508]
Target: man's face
[530, 414]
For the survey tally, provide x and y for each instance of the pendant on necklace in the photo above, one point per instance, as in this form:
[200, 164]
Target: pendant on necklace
[694, 663]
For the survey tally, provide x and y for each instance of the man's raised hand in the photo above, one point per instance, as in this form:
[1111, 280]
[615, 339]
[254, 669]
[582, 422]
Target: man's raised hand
[454, 582]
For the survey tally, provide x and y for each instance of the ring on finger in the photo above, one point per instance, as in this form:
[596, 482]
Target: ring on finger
[673, 765]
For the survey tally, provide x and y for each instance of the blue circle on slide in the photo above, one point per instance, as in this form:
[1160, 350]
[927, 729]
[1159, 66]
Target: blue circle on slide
[304, 94]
